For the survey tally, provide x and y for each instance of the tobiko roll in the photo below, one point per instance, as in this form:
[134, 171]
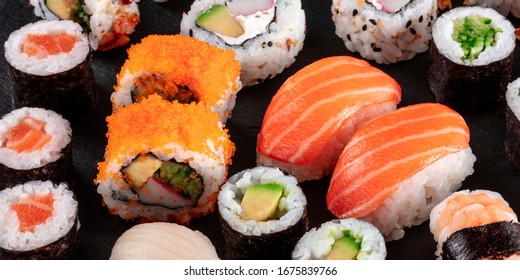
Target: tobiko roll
[512, 135]
[108, 22]
[386, 31]
[49, 65]
[263, 214]
[476, 224]
[398, 166]
[38, 220]
[341, 239]
[266, 35]
[182, 69]
[471, 58]
[164, 161]
[35, 144]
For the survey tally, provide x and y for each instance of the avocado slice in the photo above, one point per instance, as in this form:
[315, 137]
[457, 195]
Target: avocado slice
[260, 201]
[140, 169]
[218, 19]
[345, 248]
[64, 9]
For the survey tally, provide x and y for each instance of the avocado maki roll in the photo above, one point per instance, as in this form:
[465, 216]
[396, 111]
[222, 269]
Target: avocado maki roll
[471, 58]
[341, 239]
[164, 161]
[263, 214]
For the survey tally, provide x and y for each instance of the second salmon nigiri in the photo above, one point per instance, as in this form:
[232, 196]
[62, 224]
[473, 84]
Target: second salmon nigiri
[398, 166]
[315, 112]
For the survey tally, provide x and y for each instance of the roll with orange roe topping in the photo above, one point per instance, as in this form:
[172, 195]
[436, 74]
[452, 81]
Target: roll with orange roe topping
[179, 68]
[164, 161]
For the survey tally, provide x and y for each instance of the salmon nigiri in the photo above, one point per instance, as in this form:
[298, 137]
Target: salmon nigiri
[315, 112]
[398, 166]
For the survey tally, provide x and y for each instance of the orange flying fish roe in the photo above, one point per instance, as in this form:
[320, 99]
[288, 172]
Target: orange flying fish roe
[154, 122]
[189, 62]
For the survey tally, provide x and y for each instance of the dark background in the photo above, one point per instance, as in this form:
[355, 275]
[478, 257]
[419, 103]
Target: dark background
[99, 230]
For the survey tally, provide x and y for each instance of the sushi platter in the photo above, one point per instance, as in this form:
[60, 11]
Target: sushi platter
[99, 230]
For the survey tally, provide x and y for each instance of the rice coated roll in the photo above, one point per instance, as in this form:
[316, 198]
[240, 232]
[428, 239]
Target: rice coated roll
[263, 214]
[164, 161]
[502, 6]
[399, 165]
[344, 239]
[108, 22]
[182, 69]
[512, 135]
[266, 35]
[163, 241]
[471, 58]
[38, 220]
[475, 211]
[49, 65]
[386, 31]
[35, 144]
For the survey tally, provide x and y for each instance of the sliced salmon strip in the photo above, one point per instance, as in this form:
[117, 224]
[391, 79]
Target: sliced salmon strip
[43, 45]
[29, 135]
[33, 210]
[390, 149]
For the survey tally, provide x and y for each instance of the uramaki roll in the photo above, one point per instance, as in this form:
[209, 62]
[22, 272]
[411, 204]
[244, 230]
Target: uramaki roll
[164, 161]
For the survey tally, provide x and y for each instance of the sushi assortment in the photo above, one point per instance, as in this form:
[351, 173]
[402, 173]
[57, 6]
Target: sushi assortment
[335, 124]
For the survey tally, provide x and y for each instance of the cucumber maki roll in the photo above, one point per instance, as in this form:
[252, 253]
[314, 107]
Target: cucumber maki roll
[266, 35]
[502, 6]
[38, 220]
[471, 58]
[49, 65]
[344, 239]
[263, 214]
[164, 161]
[35, 144]
[386, 31]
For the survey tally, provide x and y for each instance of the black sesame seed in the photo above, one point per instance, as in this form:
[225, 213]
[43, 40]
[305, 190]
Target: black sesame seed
[375, 48]
[364, 27]
[373, 21]
[348, 37]
[431, 17]
[270, 44]
[408, 23]
[413, 31]
[191, 33]
[354, 13]
[421, 18]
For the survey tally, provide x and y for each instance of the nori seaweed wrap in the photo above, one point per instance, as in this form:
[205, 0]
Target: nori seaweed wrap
[49, 65]
[471, 58]
[263, 214]
[494, 241]
[35, 144]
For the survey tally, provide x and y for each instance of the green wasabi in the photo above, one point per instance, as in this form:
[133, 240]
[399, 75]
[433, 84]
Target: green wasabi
[475, 34]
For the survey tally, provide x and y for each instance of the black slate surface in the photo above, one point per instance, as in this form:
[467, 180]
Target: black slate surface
[99, 230]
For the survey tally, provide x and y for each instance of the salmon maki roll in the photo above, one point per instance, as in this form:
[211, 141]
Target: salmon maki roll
[398, 166]
[466, 215]
[181, 69]
[315, 112]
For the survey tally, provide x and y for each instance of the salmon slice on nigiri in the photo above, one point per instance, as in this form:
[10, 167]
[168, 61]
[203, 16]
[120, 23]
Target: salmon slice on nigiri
[398, 166]
[315, 112]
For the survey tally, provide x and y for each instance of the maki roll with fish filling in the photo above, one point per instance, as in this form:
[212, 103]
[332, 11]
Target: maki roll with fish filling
[512, 135]
[38, 220]
[49, 65]
[263, 214]
[345, 239]
[35, 144]
[108, 22]
[471, 58]
[164, 161]
[495, 241]
[386, 31]
[266, 35]
[163, 241]
[182, 69]
[471, 209]
[502, 6]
